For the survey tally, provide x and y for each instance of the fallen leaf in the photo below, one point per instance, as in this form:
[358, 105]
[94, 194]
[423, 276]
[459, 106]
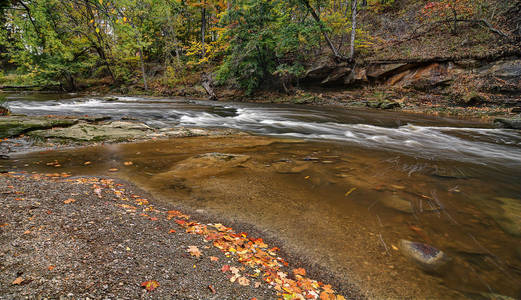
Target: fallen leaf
[299, 271]
[213, 258]
[69, 201]
[50, 268]
[350, 191]
[243, 281]
[257, 284]
[150, 285]
[225, 268]
[194, 251]
[394, 247]
[153, 219]
[212, 288]
[27, 232]
[171, 231]
[5, 224]
[17, 281]
[87, 163]
[113, 170]
[128, 163]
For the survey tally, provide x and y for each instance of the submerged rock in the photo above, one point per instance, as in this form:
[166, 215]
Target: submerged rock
[291, 167]
[509, 216]
[427, 257]
[397, 203]
[209, 164]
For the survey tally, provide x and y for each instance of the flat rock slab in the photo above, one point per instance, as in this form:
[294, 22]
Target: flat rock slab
[16, 125]
[118, 130]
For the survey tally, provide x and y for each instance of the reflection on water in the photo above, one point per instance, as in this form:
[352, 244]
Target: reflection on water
[345, 203]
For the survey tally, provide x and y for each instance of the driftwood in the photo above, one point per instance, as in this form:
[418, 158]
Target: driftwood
[206, 83]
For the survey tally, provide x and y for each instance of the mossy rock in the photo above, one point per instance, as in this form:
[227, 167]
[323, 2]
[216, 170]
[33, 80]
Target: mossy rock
[16, 125]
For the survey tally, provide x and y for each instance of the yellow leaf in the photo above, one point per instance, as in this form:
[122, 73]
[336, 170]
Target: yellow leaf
[350, 191]
[150, 285]
[97, 30]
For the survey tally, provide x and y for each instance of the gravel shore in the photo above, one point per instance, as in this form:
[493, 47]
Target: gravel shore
[100, 238]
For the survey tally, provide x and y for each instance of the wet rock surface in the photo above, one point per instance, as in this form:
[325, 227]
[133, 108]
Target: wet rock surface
[427, 257]
[117, 130]
[508, 123]
[16, 125]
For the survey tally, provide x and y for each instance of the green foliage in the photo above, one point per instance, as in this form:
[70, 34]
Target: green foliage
[264, 42]
[251, 43]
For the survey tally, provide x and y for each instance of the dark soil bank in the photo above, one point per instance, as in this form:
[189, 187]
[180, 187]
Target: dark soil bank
[95, 238]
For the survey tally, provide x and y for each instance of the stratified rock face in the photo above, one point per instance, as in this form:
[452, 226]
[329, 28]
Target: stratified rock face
[15, 125]
[427, 257]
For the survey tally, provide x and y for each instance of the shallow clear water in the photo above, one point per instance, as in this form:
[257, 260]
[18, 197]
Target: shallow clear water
[453, 184]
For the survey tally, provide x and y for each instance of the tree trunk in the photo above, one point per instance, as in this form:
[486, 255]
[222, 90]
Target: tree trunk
[143, 68]
[205, 82]
[324, 33]
[353, 29]
[203, 28]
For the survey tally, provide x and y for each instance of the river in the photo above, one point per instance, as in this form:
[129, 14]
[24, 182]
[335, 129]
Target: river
[339, 187]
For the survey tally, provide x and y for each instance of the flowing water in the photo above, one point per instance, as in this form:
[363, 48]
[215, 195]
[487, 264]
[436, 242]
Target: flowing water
[340, 187]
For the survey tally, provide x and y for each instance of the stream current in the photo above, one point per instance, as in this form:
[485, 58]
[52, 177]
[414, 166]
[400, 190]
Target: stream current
[451, 183]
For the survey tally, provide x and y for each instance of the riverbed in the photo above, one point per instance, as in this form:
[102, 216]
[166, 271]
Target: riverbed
[339, 187]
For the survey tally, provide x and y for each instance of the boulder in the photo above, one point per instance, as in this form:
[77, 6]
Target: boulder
[508, 123]
[429, 258]
[423, 77]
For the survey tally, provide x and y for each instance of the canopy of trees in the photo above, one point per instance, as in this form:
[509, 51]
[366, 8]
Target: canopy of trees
[246, 43]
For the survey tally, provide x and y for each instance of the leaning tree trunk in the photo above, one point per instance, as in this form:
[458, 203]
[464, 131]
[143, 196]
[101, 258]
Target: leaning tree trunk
[323, 30]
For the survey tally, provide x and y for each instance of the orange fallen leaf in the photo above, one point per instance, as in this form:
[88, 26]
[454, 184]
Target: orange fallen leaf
[69, 201]
[299, 271]
[87, 163]
[5, 224]
[150, 285]
[128, 163]
[17, 281]
[213, 258]
[153, 219]
[171, 231]
[27, 232]
[212, 288]
[50, 268]
[225, 268]
[113, 170]
[194, 251]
